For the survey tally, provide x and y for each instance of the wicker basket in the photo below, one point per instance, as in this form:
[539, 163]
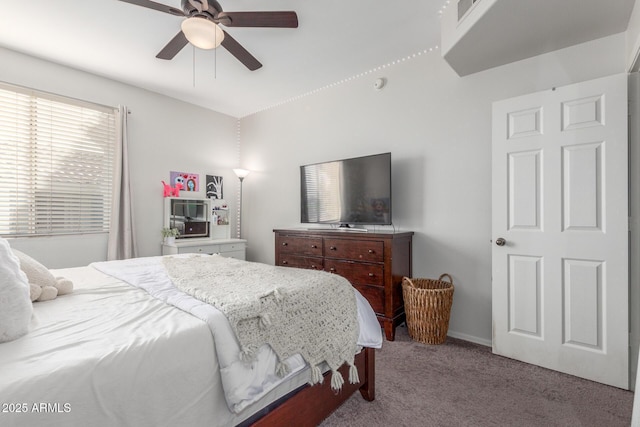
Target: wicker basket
[427, 303]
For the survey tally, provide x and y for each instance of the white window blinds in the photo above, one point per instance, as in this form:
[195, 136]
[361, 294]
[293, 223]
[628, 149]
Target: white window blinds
[56, 164]
[323, 192]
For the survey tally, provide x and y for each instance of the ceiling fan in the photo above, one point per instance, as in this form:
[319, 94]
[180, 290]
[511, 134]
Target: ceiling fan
[201, 28]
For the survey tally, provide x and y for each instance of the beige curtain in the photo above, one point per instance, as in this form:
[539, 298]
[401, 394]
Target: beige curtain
[122, 240]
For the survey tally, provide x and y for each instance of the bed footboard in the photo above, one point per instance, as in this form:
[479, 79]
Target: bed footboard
[309, 405]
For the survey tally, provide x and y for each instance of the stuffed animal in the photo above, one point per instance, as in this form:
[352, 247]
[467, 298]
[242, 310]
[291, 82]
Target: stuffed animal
[171, 191]
[43, 285]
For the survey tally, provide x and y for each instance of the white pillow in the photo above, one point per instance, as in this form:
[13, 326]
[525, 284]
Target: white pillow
[15, 304]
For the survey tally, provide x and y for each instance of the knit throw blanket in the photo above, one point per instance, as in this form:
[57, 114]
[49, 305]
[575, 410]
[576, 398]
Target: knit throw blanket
[309, 312]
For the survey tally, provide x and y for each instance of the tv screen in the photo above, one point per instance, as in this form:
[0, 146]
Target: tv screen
[348, 191]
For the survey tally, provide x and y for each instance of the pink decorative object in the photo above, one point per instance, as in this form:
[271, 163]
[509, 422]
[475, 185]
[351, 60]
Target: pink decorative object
[188, 180]
[171, 191]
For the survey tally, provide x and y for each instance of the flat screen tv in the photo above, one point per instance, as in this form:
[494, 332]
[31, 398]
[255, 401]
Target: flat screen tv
[348, 191]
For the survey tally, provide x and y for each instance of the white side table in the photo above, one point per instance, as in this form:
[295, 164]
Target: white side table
[232, 248]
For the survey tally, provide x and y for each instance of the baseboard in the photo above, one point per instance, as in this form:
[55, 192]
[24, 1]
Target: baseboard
[469, 338]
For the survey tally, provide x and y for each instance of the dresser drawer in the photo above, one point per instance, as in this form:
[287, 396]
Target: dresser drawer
[231, 247]
[373, 294]
[200, 249]
[358, 250]
[234, 254]
[357, 273]
[300, 245]
[312, 263]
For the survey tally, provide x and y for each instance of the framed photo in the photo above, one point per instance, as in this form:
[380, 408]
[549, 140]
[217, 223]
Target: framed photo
[189, 181]
[214, 187]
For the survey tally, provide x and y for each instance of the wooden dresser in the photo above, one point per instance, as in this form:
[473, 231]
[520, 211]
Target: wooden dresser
[374, 263]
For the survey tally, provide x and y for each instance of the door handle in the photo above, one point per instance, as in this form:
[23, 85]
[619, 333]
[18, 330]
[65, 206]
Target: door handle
[500, 241]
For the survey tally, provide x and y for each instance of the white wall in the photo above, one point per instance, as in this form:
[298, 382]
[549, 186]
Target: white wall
[438, 129]
[634, 208]
[164, 135]
[633, 39]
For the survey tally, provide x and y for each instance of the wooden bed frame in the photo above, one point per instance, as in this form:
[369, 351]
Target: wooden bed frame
[309, 405]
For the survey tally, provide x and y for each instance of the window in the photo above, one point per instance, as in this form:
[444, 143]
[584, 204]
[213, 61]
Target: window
[56, 164]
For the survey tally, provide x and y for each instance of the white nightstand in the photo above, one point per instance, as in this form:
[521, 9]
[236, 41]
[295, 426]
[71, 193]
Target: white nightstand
[232, 248]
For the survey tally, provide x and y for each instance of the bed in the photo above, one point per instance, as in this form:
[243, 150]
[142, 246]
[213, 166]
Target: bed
[125, 348]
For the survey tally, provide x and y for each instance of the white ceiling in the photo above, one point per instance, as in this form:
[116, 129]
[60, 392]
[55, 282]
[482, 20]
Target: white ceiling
[335, 40]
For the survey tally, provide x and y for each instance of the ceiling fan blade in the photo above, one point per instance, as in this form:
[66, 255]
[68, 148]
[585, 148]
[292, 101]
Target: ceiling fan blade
[173, 47]
[240, 52]
[259, 19]
[156, 6]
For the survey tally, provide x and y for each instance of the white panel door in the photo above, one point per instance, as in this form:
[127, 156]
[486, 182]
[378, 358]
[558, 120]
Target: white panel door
[560, 229]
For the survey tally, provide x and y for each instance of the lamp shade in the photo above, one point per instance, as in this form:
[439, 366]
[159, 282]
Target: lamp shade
[241, 173]
[202, 33]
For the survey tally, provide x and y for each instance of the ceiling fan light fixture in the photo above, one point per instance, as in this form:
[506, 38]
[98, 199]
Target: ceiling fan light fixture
[202, 32]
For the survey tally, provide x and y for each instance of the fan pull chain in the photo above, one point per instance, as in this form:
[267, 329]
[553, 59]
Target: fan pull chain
[194, 65]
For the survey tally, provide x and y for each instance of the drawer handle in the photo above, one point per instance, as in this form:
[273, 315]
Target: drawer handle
[333, 248]
[314, 246]
[285, 262]
[371, 251]
[371, 274]
[333, 270]
[285, 244]
[313, 266]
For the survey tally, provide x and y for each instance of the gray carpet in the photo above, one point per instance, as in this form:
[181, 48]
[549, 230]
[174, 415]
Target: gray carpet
[463, 384]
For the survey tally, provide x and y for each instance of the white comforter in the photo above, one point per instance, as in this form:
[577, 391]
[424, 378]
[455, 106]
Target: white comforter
[109, 355]
[243, 384]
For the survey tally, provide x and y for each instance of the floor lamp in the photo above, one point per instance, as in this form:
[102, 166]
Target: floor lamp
[241, 174]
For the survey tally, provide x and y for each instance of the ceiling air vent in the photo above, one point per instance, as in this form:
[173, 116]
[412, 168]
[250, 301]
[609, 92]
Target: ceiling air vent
[464, 6]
